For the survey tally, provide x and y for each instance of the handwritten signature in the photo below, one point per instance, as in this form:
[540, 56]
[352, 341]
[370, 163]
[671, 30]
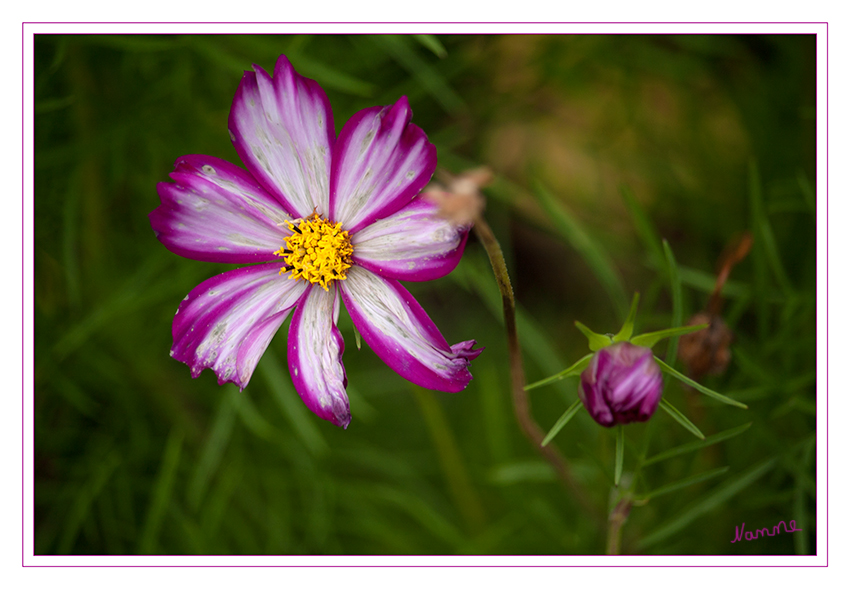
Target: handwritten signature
[741, 535]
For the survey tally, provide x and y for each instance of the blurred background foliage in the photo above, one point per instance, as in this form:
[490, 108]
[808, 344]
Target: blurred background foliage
[601, 146]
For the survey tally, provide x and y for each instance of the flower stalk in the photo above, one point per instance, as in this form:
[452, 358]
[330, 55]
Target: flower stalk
[522, 407]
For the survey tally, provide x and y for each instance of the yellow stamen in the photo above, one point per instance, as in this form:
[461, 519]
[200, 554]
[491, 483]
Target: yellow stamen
[318, 251]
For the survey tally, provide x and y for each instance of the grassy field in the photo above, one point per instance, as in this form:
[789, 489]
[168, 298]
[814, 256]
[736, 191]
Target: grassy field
[601, 148]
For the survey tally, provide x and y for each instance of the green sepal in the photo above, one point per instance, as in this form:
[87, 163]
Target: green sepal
[680, 417]
[629, 326]
[704, 390]
[653, 337]
[562, 421]
[573, 370]
[595, 341]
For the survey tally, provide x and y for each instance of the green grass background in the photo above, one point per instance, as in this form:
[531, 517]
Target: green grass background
[601, 147]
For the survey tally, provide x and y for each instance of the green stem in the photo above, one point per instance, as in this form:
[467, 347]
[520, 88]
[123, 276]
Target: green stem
[618, 459]
[615, 525]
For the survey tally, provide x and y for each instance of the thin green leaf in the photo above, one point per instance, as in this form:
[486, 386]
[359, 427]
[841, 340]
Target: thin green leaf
[806, 190]
[704, 390]
[398, 47]
[291, 405]
[680, 417]
[564, 420]
[212, 452]
[81, 508]
[650, 339]
[454, 468]
[693, 446]
[705, 283]
[594, 254]
[596, 341]
[686, 482]
[619, 454]
[251, 417]
[645, 229]
[329, 77]
[764, 232]
[629, 326]
[718, 498]
[676, 294]
[161, 496]
[433, 44]
[759, 255]
[573, 370]
[526, 471]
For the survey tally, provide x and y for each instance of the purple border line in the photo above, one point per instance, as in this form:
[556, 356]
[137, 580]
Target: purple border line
[23, 337]
[23, 304]
[436, 22]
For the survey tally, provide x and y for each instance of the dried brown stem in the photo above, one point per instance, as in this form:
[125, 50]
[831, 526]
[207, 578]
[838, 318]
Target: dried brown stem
[521, 403]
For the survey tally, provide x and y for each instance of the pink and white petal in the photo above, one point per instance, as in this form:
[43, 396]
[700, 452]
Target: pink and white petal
[415, 243]
[226, 322]
[401, 334]
[315, 356]
[216, 212]
[283, 130]
[380, 163]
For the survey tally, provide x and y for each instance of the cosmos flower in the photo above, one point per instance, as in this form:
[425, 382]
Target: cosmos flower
[622, 384]
[328, 217]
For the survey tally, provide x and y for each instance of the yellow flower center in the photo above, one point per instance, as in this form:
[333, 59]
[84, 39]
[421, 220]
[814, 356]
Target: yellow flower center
[318, 251]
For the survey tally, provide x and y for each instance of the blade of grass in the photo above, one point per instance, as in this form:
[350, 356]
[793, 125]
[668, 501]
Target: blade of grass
[763, 230]
[212, 452]
[589, 249]
[704, 390]
[291, 405]
[526, 471]
[686, 482]
[705, 283]
[564, 420]
[713, 500]
[629, 325]
[759, 255]
[398, 47]
[645, 229]
[455, 472]
[693, 446]
[330, 77]
[676, 295]
[680, 417]
[806, 190]
[85, 497]
[250, 417]
[433, 44]
[161, 495]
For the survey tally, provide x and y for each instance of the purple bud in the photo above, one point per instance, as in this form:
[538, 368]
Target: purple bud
[621, 385]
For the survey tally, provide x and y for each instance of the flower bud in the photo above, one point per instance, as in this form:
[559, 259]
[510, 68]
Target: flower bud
[622, 384]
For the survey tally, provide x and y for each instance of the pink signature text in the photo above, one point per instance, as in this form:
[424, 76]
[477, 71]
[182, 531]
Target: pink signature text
[748, 536]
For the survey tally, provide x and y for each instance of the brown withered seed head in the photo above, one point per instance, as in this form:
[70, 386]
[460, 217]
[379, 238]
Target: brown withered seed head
[706, 351]
[460, 200]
